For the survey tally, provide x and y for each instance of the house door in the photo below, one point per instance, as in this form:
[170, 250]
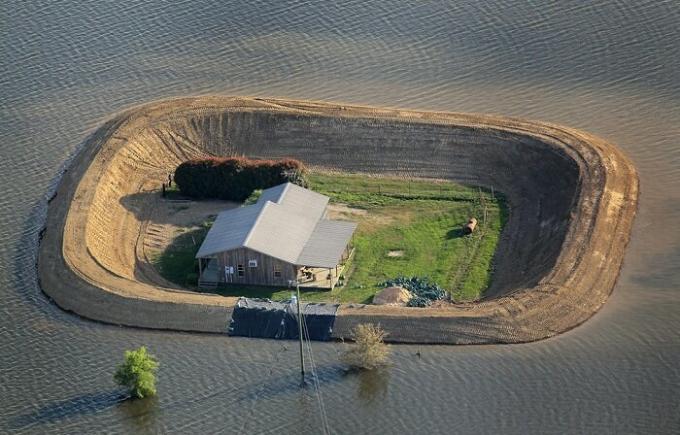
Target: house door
[228, 273]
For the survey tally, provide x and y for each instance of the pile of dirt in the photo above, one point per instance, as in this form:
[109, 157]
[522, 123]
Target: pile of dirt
[397, 296]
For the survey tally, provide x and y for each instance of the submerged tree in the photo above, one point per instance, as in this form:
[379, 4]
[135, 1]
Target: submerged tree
[369, 350]
[137, 373]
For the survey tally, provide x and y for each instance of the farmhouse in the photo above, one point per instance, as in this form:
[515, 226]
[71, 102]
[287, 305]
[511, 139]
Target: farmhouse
[284, 237]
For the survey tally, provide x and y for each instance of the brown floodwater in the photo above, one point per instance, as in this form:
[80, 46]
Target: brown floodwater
[610, 68]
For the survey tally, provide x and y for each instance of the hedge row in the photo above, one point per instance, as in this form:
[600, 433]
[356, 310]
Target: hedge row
[235, 178]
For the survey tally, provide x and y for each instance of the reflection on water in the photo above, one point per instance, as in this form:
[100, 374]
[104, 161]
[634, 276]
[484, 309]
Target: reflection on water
[373, 385]
[139, 416]
[608, 67]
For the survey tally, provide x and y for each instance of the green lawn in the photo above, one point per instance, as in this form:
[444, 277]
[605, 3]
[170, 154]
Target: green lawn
[409, 228]
[177, 263]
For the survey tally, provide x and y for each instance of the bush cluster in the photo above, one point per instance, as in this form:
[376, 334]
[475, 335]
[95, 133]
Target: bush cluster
[235, 178]
[137, 373]
[369, 350]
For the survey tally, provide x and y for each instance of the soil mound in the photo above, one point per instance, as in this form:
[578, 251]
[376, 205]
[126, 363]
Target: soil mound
[572, 199]
[392, 296]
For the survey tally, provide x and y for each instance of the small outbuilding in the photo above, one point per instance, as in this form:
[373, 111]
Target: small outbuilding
[284, 237]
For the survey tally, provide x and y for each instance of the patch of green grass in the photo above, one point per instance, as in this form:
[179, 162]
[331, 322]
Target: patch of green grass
[177, 263]
[254, 196]
[173, 192]
[420, 219]
[273, 293]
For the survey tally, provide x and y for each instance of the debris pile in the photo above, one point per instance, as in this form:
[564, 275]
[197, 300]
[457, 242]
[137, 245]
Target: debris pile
[392, 296]
[422, 290]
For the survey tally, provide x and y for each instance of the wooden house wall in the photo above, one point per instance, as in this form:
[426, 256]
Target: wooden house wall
[263, 274]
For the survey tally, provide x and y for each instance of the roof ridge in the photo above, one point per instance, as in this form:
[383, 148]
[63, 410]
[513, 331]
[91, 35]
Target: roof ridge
[286, 186]
[257, 220]
[279, 224]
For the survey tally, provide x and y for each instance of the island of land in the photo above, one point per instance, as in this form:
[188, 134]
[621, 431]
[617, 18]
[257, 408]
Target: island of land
[571, 198]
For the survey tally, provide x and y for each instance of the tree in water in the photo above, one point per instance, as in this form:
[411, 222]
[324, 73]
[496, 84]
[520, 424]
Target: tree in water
[137, 373]
[369, 350]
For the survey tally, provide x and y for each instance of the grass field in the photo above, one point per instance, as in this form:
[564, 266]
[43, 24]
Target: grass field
[409, 228]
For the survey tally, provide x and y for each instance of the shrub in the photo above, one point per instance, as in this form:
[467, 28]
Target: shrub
[369, 350]
[137, 373]
[235, 178]
[192, 279]
[252, 199]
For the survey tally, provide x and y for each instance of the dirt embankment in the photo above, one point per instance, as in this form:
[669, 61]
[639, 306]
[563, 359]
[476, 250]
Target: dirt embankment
[572, 200]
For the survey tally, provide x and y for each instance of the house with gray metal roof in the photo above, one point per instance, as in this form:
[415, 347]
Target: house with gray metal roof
[283, 238]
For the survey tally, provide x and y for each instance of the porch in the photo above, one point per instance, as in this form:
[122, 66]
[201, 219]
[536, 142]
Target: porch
[209, 275]
[323, 277]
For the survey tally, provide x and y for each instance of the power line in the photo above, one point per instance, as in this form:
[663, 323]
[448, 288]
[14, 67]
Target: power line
[315, 376]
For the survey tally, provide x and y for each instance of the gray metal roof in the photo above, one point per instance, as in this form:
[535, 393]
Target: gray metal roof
[230, 229]
[326, 243]
[287, 222]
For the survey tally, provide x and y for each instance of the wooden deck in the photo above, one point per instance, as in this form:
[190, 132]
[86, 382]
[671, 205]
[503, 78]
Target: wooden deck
[323, 278]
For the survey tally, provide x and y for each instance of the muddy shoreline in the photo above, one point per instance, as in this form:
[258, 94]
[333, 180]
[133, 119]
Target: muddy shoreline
[572, 199]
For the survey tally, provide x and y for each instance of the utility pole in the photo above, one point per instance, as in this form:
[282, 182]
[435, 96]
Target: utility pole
[299, 315]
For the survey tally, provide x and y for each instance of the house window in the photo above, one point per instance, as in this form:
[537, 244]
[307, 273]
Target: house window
[277, 271]
[252, 263]
[241, 270]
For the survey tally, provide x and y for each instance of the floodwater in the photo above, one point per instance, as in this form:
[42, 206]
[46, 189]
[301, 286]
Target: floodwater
[611, 68]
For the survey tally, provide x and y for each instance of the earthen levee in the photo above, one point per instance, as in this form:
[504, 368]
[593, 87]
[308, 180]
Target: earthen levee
[572, 199]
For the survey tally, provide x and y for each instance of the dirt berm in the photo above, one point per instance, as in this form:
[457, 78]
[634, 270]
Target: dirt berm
[572, 199]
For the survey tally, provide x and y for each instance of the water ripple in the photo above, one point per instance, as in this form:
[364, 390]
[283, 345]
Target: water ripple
[608, 67]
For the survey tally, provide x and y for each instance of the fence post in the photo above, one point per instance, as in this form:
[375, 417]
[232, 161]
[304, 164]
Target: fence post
[483, 204]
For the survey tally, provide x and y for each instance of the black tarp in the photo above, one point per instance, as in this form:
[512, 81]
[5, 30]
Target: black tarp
[263, 318]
